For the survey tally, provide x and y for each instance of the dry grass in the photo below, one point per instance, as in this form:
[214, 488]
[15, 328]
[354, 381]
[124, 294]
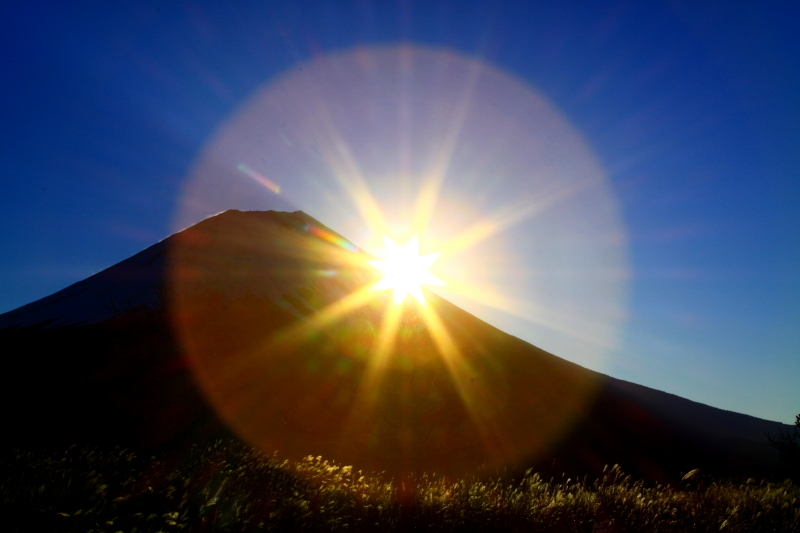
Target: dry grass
[228, 487]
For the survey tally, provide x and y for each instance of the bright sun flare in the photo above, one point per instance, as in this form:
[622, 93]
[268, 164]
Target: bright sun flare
[405, 270]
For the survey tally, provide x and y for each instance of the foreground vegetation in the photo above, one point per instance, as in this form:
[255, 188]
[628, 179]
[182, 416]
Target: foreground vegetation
[228, 487]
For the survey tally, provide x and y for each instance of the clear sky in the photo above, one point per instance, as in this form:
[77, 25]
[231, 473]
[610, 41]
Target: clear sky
[689, 108]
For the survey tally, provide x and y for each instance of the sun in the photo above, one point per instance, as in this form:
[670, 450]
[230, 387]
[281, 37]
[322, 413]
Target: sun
[405, 270]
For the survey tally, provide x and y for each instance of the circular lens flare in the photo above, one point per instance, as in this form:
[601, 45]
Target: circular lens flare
[283, 320]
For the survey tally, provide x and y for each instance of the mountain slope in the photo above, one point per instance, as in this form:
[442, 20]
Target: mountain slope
[140, 281]
[219, 327]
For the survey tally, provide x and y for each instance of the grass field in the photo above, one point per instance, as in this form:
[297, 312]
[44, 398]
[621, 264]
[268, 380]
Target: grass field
[228, 487]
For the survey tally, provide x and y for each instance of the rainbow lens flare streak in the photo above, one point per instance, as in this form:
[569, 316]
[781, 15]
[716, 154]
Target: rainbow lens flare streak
[331, 238]
[261, 180]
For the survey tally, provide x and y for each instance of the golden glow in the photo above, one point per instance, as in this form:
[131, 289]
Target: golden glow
[405, 270]
[459, 155]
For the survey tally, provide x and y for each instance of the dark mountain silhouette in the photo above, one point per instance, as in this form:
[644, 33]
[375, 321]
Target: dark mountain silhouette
[224, 329]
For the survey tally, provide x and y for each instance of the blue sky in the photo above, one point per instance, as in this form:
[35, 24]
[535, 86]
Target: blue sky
[691, 109]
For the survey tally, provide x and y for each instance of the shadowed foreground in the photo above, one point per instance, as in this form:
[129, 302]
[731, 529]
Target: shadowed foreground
[229, 487]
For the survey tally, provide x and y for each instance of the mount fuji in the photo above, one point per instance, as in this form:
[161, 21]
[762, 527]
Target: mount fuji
[178, 343]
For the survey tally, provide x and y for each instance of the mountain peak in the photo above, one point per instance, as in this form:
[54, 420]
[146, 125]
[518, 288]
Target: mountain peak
[141, 280]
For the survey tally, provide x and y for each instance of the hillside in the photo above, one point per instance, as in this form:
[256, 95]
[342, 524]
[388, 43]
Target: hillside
[214, 331]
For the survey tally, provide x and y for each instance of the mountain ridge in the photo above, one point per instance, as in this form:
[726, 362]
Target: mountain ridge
[247, 270]
[40, 311]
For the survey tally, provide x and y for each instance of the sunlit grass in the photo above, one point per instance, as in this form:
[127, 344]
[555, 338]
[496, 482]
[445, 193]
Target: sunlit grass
[229, 487]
